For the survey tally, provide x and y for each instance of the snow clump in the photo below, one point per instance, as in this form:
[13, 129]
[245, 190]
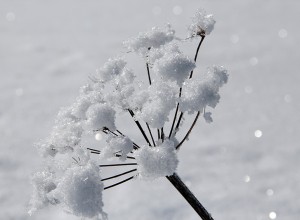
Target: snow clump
[155, 162]
[111, 68]
[174, 67]
[100, 116]
[117, 144]
[159, 101]
[80, 191]
[65, 135]
[200, 93]
[43, 183]
[203, 24]
[151, 39]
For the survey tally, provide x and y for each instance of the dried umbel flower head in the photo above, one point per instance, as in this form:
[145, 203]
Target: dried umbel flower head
[203, 24]
[71, 178]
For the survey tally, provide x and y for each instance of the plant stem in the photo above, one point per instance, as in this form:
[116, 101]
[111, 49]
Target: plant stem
[189, 131]
[148, 71]
[197, 51]
[189, 196]
[191, 75]
[174, 119]
[140, 127]
[149, 129]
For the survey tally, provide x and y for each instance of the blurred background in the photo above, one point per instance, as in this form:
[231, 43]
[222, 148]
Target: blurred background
[245, 165]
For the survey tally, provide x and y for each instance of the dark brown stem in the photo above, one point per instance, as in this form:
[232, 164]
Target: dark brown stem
[197, 51]
[191, 75]
[162, 134]
[189, 131]
[178, 122]
[118, 175]
[117, 164]
[135, 146]
[189, 197]
[148, 71]
[140, 127]
[123, 181]
[150, 134]
[174, 119]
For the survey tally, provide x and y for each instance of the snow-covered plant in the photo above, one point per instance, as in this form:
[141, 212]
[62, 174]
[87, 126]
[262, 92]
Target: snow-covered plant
[71, 177]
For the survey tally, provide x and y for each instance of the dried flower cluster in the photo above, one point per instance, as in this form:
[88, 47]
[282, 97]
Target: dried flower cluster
[171, 91]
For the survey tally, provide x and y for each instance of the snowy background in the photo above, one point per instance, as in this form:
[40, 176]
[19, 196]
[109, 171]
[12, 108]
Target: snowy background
[245, 165]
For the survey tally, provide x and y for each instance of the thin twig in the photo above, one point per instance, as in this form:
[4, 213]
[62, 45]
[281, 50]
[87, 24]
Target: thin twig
[140, 127]
[93, 149]
[123, 181]
[197, 51]
[162, 134]
[121, 174]
[178, 122]
[150, 134]
[117, 164]
[107, 129]
[189, 131]
[148, 71]
[135, 146]
[191, 75]
[128, 157]
[95, 152]
[174, 119]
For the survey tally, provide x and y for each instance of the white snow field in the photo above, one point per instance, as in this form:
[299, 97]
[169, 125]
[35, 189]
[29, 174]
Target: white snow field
[244, 165]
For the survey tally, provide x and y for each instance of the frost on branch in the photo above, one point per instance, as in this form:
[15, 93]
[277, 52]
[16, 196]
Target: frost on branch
[159, 161]
[203, 24]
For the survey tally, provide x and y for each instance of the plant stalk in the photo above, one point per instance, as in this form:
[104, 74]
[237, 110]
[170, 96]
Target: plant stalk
[189, 197]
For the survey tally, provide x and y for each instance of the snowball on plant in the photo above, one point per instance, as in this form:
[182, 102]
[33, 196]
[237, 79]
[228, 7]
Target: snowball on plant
[157, 53]
[43, 183]
[150, 39]
[155, 162]
[80, 191]
[101, 116]
[110, 69]
[174, 67]
[200, 93]
[120, 144]
[65, 135]
[203, 24]
[159, 101]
